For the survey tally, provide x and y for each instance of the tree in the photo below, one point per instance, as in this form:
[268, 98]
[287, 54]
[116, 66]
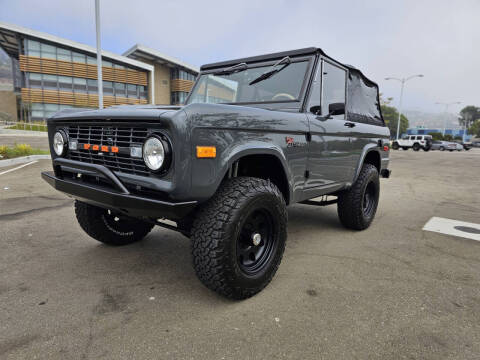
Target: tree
[447, 137]
[468, 115]
[390, 115]
[436, 136]
[474, 129]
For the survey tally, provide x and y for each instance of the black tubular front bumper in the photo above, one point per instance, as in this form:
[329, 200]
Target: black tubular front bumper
[119, 199]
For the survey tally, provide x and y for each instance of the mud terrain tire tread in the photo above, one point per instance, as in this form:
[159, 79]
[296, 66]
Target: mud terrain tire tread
[91, 220]
[213, 233]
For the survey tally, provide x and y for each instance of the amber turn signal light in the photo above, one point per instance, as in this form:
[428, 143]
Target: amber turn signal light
[86, 146]
[206, 151]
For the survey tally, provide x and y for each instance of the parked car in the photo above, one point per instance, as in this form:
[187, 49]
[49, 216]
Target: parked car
[476, 144]
[466, 145]
[444, 145]
[256, 134]
[416, 142]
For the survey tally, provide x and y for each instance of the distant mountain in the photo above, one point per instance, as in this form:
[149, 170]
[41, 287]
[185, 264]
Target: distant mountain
[418, 118]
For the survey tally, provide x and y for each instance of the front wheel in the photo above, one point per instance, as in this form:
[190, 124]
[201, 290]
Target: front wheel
[108, 227]
[357, 206]
[238, 237]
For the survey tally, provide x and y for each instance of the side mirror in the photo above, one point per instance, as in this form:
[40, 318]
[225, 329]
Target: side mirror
[336, 109]
[315, 109]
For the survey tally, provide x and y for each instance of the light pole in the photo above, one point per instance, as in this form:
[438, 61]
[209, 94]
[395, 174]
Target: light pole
[446, 112]
[99, 55]
[402, 81]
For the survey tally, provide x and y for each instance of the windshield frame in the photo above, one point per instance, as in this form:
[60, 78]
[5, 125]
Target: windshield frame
[268, 63]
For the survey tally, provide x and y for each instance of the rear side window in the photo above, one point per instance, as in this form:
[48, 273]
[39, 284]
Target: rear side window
[419, 138]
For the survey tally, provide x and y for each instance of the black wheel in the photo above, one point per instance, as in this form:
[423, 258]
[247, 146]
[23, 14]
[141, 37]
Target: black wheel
[416, 147]
[108, 227]
[442, 148]
[395, 145]
[238, 237]
[357, 206]
[405, 148]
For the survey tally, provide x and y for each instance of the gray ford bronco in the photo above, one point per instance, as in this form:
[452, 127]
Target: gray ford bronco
[255, 135]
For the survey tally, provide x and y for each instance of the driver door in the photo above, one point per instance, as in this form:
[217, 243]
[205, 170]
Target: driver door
[330, 156]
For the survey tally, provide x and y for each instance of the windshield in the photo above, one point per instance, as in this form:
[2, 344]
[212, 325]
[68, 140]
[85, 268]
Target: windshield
[284, 85]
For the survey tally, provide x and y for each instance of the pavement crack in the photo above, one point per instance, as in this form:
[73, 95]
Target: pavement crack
[19, 214]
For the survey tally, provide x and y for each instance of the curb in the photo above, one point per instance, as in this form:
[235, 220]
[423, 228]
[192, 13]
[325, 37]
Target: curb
[23, 159]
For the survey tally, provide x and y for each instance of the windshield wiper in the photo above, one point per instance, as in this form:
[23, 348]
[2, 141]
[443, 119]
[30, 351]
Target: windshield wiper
[286, 61]
[232, 69]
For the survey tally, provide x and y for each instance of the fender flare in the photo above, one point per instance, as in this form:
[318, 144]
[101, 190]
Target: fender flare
[256, 148]
[366, 150]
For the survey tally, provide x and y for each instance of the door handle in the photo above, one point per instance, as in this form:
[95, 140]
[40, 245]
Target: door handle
[349, 124]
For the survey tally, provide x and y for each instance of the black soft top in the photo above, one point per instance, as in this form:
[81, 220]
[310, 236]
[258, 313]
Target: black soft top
[363, 102]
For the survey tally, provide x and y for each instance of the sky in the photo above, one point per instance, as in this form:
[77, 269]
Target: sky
[439, 39]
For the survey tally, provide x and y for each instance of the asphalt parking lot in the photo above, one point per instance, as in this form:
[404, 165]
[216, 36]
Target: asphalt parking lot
[393, 291]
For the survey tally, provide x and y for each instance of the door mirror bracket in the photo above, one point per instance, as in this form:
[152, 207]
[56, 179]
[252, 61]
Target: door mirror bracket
[333, 109]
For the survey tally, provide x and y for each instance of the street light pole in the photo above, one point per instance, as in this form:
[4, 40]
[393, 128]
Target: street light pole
[402, 81]
[99, 55]
[446, 112]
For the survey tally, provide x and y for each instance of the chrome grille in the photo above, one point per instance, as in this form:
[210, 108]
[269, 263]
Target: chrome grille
[122, 137]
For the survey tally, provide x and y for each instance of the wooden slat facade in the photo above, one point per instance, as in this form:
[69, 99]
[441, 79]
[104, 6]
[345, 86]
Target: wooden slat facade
[68, 68]
[74, 99]
[181, 85]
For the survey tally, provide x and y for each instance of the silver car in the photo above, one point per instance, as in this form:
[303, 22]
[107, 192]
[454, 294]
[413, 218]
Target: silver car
[443, 145]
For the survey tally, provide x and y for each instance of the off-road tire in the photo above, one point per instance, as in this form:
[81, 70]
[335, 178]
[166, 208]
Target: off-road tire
[101, 225]
[416, 147]
[395, 145]
[217, 229]
[350, 205]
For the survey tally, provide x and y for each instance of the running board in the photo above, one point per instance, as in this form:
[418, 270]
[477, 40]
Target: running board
[319, 203]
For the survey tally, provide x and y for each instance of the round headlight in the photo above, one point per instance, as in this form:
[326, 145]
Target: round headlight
[59, 143]
[153, 153]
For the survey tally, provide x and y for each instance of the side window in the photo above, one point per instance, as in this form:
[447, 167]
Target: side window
[419, 138]
[333, 87]
[412, 137]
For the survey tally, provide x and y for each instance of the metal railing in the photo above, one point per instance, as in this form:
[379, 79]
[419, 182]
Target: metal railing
[22, 125]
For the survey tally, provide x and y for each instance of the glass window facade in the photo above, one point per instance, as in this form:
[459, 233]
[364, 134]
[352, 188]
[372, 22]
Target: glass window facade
[181, 74]
[72, 84]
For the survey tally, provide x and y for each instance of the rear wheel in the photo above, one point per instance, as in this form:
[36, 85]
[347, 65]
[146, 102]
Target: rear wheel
[416, 147]
[395, 145]
[109, 227]
[357, 206]
[238, 237]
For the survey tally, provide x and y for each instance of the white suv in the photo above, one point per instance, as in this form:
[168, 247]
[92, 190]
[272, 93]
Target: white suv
[416, 142]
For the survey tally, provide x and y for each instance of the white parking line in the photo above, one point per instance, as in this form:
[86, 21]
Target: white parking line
[18, 167]
[453, 227]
